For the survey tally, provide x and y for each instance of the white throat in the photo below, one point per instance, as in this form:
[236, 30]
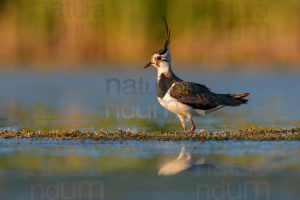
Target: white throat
[164, 68]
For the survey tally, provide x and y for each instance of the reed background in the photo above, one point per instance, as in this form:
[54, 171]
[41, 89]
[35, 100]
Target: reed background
[44, 34]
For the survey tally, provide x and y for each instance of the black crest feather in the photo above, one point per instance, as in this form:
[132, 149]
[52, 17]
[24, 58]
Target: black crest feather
[167, 42]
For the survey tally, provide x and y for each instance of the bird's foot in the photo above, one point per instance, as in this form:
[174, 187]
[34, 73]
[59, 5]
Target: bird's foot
[192, 130]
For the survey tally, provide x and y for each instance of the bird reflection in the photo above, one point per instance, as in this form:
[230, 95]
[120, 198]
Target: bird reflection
[183, 162]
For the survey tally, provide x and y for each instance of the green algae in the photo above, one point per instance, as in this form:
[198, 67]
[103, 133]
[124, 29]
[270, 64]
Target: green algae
[255, 134]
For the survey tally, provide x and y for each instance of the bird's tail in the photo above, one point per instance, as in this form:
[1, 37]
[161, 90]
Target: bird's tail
[239, 97]
[233, 99]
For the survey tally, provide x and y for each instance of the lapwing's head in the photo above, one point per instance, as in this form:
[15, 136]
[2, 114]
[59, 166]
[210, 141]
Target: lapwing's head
[161, 59]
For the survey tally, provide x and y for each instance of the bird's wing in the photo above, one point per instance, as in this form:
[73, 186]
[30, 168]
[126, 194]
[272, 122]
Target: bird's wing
[196, 95]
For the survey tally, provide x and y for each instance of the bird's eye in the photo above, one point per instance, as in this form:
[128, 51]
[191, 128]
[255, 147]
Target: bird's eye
[158, 58]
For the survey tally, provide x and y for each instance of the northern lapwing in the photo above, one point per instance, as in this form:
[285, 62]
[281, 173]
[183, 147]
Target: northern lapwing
[186, 99]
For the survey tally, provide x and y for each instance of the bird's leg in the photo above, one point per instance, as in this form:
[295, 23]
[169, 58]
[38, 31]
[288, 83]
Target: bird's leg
[193, 128]
[182, 120]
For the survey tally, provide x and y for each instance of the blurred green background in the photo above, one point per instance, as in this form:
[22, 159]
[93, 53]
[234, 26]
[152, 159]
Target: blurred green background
[222, 33]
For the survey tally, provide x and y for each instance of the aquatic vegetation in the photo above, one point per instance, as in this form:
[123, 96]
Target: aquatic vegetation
[257, 134]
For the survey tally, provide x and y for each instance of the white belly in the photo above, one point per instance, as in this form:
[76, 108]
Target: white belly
[179, 108]
[175, 106]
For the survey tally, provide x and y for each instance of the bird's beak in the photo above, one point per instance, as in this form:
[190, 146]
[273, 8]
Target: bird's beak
[148, 65]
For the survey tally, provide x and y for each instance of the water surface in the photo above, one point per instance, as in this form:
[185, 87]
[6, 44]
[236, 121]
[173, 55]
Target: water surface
[92, 100]
[112, 99]
[32, 169]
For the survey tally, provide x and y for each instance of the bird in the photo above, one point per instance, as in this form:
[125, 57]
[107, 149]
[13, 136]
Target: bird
[186, 99]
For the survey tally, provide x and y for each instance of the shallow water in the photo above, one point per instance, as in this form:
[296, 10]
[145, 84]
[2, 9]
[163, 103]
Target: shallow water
[92, 100]
[52, 169]
[85, 169]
